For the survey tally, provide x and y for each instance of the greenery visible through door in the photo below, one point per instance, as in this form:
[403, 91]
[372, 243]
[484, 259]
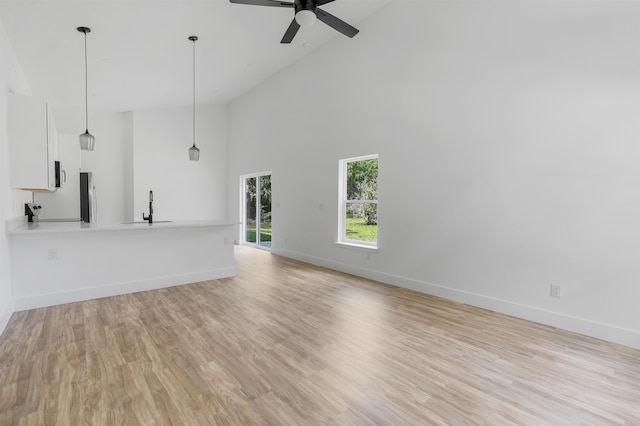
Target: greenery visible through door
[258, 210]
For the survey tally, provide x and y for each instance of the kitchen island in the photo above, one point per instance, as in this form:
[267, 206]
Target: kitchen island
[62, 262]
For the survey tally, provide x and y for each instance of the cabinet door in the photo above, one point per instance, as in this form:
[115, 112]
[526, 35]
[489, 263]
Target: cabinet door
[30, 129]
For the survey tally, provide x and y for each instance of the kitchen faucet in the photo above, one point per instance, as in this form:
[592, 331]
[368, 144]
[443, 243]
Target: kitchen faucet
[150, 217]
[32, 211]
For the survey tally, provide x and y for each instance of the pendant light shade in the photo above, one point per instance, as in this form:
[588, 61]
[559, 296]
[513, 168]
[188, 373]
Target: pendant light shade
[194, 152]
[87, 141]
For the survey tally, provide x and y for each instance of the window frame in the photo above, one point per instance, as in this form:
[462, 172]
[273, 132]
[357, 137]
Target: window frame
[343, 202]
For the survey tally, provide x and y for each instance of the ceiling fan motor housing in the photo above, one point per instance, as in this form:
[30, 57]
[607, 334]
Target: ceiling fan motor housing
[305, 5]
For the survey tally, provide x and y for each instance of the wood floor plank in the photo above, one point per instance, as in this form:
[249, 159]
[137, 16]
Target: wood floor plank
[287, 343]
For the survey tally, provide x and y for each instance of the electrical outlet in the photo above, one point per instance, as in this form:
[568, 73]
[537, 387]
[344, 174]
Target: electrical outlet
[556, 290]
[52, 254]
[226, 241]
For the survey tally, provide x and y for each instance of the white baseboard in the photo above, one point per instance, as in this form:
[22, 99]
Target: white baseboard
[77, 295]
[584, 326]
[5, 315]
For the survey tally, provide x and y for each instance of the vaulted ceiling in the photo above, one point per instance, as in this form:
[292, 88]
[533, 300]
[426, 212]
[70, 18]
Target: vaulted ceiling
[139, 55]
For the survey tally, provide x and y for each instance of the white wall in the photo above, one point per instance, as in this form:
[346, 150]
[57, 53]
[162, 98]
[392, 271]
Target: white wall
[509, 158]
[13, 81]
[11, 201]
[6, 303]
[182, 189]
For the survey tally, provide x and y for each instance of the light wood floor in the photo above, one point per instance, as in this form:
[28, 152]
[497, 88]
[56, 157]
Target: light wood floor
[286, 343]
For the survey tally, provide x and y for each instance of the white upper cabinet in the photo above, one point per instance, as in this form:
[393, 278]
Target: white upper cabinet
[33, 143]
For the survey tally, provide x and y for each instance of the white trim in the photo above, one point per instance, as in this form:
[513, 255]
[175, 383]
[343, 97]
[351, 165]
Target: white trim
[361, 201]
[89, 293]
[360, 158]
[357, 245]
[599, 330]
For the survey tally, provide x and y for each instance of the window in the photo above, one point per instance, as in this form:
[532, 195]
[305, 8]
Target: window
[358, 203]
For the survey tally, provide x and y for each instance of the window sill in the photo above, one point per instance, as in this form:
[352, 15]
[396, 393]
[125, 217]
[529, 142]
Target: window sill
[357, 246]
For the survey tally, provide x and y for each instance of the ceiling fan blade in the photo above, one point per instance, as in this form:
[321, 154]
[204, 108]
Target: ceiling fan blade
[321, 2]
[264, 3]
[335, 23]
[291, 32]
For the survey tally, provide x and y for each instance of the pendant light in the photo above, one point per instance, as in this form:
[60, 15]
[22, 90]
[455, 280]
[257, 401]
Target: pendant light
[87, 140]
[194, 152]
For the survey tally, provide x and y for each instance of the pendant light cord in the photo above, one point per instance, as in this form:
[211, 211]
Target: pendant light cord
[194, 91]
[86, 85]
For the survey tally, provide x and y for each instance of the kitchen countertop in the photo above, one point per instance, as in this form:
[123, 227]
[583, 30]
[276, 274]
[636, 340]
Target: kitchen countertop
[37, 228]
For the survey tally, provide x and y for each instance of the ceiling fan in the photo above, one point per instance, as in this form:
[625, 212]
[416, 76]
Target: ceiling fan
[306, 13]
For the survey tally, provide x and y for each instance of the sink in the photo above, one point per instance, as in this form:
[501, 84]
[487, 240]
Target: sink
[145, 222]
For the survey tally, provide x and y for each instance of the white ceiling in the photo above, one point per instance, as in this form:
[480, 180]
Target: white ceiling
[139, 53]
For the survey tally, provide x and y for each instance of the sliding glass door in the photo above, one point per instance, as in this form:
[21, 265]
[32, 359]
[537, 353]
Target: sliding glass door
[257, 210]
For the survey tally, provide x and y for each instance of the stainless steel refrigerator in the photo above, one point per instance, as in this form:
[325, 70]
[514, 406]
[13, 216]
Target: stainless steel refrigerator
[88, 200]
